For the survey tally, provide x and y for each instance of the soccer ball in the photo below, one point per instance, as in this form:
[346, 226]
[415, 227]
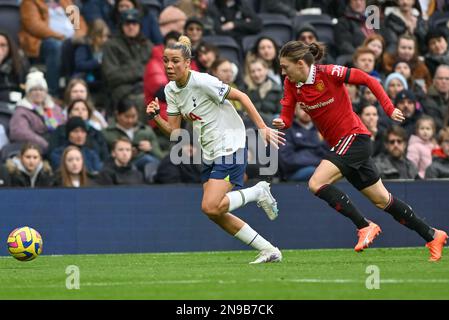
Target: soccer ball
[25, 243]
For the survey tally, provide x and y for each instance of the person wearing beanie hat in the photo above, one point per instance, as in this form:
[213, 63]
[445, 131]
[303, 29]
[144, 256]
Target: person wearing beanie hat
[76, 134]
[394, 83]
[307, 33]
[437, 42]
[36, 115]
[407, 102]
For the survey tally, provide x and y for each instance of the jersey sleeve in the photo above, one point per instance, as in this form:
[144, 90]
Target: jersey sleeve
[172, 107]
[359, 77]
[214, 88]
[288, 103]
[337, 73]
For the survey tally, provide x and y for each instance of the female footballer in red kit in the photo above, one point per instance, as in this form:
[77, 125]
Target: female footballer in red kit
[320, 91]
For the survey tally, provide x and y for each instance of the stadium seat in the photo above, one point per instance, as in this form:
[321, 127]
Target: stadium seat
[312, 19]
[277, 26]
[5, 115]
[67, 59]
[10, 150]
[325, 32]
[153, 6]
[227, 46]
[10, 19]
[438, 20]
[166, 3]
[254, 4]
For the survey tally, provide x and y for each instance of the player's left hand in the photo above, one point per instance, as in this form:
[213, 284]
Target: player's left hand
[272, 136]
[397, 115]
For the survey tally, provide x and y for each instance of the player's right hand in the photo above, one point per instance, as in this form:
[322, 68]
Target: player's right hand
[278, 123]
[153, 108]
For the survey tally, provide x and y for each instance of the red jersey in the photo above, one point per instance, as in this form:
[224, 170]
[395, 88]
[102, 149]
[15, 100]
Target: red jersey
[325, 98]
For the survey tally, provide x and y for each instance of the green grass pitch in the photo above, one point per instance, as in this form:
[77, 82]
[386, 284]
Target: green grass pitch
[304, 274]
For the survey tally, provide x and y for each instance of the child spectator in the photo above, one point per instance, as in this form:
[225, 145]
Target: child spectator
[36, 115]
[72, 172]
[120, 170]
[29, 169]
[421, 144]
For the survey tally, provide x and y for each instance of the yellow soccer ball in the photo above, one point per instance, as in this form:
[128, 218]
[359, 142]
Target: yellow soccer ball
[25, 243]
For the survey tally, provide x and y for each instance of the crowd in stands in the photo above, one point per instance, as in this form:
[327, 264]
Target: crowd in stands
[73, 89]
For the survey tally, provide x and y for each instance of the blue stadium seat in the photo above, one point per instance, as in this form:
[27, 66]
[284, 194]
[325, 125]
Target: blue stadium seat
[10, 19]
[438, 20]
[277, 26]
[254, 4]
[325, 31]
[312, 19]
[227, 46]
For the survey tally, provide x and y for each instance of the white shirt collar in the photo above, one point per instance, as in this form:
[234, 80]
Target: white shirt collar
[310, 78]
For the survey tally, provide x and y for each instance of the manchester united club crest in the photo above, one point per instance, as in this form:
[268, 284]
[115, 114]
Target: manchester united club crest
[320, 86]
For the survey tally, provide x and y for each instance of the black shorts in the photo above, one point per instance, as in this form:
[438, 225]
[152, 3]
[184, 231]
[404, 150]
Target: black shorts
[352, 155]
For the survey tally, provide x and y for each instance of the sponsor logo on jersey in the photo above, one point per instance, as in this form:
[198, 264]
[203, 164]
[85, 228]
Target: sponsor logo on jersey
[304, 106]
[337, 71]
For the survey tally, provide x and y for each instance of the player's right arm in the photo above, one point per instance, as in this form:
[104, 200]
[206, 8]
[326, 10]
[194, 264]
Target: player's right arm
[173, 121]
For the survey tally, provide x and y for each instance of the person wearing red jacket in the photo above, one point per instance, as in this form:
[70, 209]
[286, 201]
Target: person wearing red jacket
[320, 91]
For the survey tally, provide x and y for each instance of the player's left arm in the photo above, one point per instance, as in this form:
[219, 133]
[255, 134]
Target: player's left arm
[269, 134]
[358, 77]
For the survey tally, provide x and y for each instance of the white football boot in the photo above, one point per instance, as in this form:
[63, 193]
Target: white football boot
[266, 201]
[268, 255]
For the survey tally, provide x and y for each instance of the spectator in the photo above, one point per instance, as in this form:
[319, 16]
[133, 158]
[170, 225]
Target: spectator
[29, 169]
[308, 34]
[395, 83]
[194, 30]
[304, 149]
[36, 115]
[120, 171]
[370, 118]
[421, 144]
[76, 133]
[393, 164]
[351, 29]
[438, 49]
[369, 99]
[89, 56]
[417, 86]
[95, 140]
[365, 60]
[206, 55]
[407, 51]
[44, 26]
[148, 21]
[439, 168]
[125, 57]
[376, 43]
[234, 18]
[401, 20]
[406, 102]
[264, 92]
[77, 89]
[172, 19]
[155, 78]
[223, 70]
[188, 172]
[12, 70]
[146, 147]
[72, 172]
[439, 94]
[266, 48]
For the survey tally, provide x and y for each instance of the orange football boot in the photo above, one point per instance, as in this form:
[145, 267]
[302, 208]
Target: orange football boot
[436, 245]
[366, 236]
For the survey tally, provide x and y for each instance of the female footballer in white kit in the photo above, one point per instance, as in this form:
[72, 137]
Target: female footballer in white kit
[201, 98]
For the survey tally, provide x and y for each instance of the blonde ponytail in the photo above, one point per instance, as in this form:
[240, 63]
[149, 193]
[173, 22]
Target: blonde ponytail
[184, 45]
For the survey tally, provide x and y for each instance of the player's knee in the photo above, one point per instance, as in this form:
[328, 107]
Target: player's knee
[314, 185]
[381, 201]
[211, 210]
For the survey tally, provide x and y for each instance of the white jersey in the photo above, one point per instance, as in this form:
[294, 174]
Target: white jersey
[203, 100]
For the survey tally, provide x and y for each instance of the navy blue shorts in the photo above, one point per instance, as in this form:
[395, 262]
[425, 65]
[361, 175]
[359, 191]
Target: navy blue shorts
[230, 168]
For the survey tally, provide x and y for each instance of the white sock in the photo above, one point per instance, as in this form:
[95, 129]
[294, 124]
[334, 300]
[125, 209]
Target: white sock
[250, 237]
[241, 197]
